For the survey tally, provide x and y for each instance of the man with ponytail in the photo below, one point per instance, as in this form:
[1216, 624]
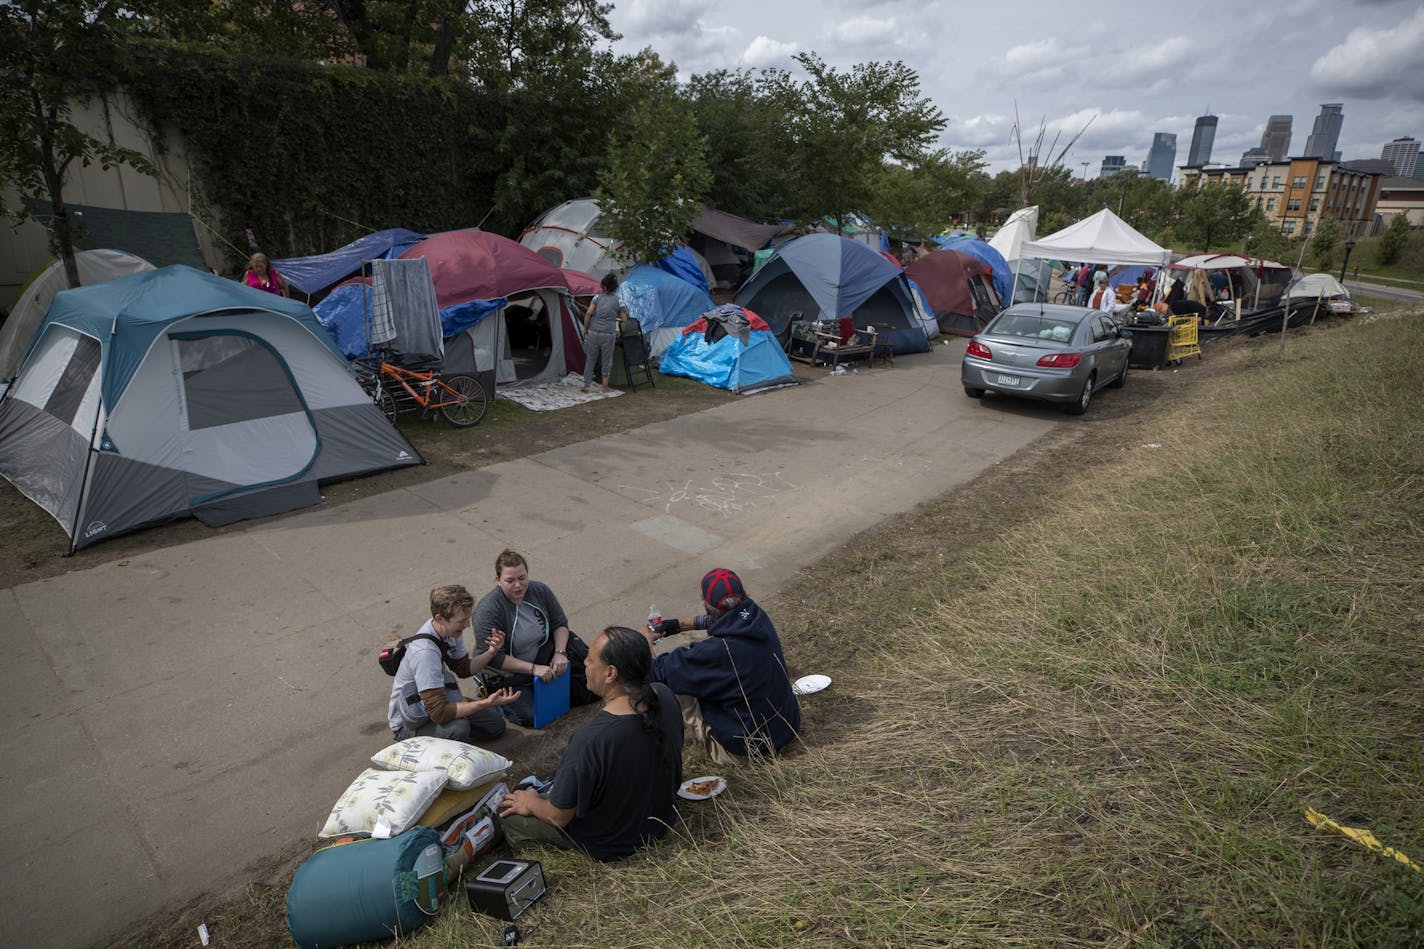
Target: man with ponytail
[615, 787]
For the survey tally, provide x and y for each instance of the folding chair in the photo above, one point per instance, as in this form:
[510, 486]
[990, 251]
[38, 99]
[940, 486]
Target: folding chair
[633, 350]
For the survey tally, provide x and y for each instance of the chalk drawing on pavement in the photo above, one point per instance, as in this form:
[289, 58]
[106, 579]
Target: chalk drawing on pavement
[726, 494]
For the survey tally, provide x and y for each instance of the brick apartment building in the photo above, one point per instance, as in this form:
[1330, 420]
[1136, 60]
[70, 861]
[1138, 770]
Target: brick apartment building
[1297, 193]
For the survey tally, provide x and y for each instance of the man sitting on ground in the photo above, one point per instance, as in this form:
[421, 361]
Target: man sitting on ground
[425, 696]
[614, 789]
[733, 686]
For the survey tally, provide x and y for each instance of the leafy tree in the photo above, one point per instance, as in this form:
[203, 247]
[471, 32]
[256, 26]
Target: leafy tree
[1263, 239]
[1212, 216]
[53, 54]
[1391, 244]
[754, 170]
[844, 126]
[529, 43]
[1322, 242]
[656, 173]
[917, 201]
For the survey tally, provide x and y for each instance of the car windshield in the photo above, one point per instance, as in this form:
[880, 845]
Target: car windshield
[1033, 326]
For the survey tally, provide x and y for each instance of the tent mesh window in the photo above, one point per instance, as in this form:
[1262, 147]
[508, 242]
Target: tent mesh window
[68, 394]
[230, 378]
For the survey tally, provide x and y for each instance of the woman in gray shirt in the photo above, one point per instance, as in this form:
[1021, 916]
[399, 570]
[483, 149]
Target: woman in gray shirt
[600, 329]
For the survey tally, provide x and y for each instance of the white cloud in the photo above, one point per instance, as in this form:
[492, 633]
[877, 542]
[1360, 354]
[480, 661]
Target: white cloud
[1376, 63]
[660, 17]
[867, 31]
[765, 51]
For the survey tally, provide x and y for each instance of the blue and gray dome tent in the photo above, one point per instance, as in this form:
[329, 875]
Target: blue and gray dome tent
[174, 392]
[825, 277]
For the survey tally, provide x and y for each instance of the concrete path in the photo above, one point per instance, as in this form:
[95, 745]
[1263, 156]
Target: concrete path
[180, 716]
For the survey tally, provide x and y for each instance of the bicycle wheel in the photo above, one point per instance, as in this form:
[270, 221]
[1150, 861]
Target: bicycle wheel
[472, 402]
[386, 403]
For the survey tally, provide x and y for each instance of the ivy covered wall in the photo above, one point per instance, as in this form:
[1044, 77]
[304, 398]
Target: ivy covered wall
[311, 157]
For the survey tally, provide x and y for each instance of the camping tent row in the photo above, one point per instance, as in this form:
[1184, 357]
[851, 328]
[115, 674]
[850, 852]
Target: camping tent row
[824, 277]
[174, 392]
[484, 285]
[571, 235]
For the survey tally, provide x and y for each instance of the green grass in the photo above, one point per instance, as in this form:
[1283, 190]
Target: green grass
[1106, 724]
[1103, 724]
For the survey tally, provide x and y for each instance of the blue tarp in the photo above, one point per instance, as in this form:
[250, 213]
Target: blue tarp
[656, 298]
[981, 251]
[681, 263]
[728, 364]
[343, 315]
[316, 273]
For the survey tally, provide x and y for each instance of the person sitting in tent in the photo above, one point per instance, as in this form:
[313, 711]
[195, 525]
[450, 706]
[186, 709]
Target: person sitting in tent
[262, 275]
[733, 686]
[1146, 284]
[614, 790]
[601, 322]
[525, 617]
[425, 696]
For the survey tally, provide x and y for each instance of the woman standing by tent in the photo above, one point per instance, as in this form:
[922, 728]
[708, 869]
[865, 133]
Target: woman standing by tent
[600, 328]
[262, 275]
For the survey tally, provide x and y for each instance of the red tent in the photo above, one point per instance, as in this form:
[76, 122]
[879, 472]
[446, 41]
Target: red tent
[959, 288]
[477, 265]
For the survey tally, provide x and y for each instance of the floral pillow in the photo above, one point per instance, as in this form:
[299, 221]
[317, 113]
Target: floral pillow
[466, 765]
[383, 803]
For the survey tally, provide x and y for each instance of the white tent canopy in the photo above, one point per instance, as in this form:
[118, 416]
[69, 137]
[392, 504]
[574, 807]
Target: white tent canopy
[1019, 229]
[1103, 238]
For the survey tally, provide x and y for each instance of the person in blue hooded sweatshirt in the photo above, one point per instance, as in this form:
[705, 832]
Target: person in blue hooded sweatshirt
[733, 686]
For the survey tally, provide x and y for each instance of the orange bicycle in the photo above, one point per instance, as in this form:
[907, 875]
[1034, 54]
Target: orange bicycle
[459, 399]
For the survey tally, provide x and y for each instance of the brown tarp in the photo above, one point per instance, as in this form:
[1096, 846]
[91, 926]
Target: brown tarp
[739, 232]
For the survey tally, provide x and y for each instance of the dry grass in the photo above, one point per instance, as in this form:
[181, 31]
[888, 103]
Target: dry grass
[1101, 721]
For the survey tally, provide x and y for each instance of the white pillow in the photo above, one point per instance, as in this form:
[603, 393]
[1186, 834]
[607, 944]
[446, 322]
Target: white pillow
[383, 803]
[467, 765]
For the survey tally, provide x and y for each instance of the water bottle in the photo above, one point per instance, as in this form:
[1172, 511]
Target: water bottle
[654, 618]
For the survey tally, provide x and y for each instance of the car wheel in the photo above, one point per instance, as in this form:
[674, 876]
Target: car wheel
[973, 393]
[1086, 396]
[1121, 377]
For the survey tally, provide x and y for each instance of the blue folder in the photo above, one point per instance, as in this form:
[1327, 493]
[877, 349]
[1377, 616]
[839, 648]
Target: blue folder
[551, 699]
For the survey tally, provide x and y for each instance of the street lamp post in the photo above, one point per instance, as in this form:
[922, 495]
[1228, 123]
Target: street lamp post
[1349, 246]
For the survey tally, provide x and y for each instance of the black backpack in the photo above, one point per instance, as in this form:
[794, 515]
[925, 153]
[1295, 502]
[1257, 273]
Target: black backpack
[390, 657]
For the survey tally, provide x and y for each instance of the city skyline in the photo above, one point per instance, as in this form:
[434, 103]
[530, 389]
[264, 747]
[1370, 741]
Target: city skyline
[1366, 54]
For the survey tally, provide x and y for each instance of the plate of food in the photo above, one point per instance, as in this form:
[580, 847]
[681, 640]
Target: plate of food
[808, 684]
[700, 789]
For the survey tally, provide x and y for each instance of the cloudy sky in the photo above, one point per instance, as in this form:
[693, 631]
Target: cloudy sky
[1128, 70]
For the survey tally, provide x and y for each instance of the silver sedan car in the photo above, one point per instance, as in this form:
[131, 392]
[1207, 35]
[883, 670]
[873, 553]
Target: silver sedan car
[1047, 351]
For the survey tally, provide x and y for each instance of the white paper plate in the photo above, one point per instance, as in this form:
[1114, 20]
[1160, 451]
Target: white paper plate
[717, 788]
[808, 684]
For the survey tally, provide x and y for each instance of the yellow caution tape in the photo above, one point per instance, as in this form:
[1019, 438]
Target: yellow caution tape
[1360, 835]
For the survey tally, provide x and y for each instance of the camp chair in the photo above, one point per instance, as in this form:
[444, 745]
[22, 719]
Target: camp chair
[633, 350]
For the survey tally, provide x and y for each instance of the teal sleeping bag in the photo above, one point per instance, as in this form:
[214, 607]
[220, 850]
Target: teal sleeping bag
[370, 889]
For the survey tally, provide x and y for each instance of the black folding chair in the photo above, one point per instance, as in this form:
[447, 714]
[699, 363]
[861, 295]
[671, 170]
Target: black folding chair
[633, 347]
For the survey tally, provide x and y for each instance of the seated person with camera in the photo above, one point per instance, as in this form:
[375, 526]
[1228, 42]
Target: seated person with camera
[425, 696]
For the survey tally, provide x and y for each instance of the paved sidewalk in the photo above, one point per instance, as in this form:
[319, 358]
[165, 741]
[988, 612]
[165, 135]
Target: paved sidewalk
[184, 714]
